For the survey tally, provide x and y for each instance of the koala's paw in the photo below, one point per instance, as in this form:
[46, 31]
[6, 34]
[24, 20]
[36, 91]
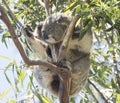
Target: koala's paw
[65, 64]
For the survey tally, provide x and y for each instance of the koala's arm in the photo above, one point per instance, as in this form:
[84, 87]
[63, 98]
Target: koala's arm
[38, 45]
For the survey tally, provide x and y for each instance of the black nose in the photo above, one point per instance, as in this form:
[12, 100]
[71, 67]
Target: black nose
[44, 35]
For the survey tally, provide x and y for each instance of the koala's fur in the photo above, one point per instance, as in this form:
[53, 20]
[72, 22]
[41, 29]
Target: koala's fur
[77, 54]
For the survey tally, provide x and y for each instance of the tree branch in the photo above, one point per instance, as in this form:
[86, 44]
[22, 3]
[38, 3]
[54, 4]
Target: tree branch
[116, 68]
[6, 20]
[41, 3]
[64, 45]
[11, 14]
[46, 5]
[98, 90]
[66, 80]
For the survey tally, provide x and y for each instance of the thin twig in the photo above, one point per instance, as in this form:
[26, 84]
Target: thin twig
[92, 93]
[64, 45]
[41, 3]
[116, 68]
[47, 7]
[114, 58]
[98, 90]
[12, 15]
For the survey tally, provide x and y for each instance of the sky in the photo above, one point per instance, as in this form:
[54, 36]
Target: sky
[10, 52]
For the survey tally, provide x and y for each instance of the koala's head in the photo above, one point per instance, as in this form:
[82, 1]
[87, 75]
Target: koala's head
[54, 27]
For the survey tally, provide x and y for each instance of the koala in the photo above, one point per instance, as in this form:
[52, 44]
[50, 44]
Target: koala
[52, 30]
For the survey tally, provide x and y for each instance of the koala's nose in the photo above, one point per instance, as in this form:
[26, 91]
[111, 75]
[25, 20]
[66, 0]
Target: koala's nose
[44, 35]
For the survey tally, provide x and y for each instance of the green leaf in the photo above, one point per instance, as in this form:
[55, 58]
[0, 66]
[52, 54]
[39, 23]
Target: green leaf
[22, 75]
[5, 93]
[5, 70]
[11, 101]
[70, 7]
[72, 100]
[114, 85]
[45, 99]
[6, 35]
[5, 57]
[118, 98]
[86, 28]
[101, 82]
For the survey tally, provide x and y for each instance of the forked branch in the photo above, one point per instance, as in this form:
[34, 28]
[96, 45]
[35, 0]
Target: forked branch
[46, 5]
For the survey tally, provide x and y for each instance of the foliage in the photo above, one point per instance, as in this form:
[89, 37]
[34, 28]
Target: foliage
[104, 17]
